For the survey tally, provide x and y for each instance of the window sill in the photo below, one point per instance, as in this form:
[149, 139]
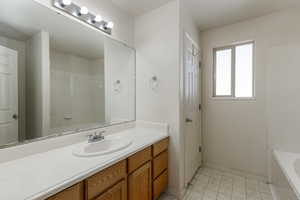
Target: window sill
[233, 98]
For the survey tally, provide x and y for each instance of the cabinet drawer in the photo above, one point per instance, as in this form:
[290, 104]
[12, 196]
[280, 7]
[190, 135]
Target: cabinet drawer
[160, 185]
[160, 163]
[138, 159]
[75, 193]
[117, 192]
[160, 147]
[101, 181]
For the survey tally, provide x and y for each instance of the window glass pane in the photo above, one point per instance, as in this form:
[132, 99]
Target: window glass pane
[244, 70]
[223, 72]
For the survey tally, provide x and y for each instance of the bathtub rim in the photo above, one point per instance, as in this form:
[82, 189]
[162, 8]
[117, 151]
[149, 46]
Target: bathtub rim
[286, 162]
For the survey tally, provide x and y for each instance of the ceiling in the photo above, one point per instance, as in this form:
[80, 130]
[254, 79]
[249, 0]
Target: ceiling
[213, 13]
[19, 21]
[138, 7]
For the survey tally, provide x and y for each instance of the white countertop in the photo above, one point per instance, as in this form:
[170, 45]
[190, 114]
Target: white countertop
[41, 175]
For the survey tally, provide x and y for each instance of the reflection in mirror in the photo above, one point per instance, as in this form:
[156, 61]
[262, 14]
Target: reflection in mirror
[58, 75]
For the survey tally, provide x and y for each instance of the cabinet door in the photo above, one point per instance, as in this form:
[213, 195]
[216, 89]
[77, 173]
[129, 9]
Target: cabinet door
[75, 193]
[140, 183]
[160, 184]
[117, 192]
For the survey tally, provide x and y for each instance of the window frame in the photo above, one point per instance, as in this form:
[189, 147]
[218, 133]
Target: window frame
[232, 47]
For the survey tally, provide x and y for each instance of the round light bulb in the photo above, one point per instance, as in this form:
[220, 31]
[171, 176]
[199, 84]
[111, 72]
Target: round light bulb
[98, 18]
[84, 10]
[110, 25]
[66, 2]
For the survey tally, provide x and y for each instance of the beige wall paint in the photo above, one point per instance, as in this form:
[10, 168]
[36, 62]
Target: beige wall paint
[236, 132]
[157, 48]
[119, 66]
[74, 80]
[283, 69]
[37, 85]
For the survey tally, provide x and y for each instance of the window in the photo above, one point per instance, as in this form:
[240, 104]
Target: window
[233, 71]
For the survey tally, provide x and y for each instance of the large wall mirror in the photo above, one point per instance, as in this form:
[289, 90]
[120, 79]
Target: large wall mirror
[59, 76]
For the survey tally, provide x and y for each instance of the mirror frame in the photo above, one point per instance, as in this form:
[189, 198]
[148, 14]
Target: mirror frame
[79, 130]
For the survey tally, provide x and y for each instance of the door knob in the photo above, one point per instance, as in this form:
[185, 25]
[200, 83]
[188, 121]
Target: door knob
[188, 120]
[15, 116]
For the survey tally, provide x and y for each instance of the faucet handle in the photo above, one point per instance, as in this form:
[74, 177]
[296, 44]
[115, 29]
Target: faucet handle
[99, 133]
[96, 136]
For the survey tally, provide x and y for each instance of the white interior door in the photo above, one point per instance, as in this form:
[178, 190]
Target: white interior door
[8, 96]
[192, 133]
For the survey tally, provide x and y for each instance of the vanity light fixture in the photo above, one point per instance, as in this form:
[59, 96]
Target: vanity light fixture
[98, 18]
[110, 25]
[82, 13]
[84, 10]
[66, 2]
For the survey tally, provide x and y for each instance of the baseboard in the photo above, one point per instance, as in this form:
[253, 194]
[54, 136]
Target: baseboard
[174, 193]
[237, 172]
[273, 191]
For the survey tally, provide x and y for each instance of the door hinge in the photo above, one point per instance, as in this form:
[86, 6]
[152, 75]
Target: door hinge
[200, 149]
[200, 107]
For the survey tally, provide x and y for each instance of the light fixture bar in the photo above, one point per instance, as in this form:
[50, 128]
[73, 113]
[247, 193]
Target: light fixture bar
[84, 15]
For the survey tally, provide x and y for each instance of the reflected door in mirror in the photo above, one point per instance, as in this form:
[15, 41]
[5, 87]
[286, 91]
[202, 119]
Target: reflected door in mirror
[8, 96]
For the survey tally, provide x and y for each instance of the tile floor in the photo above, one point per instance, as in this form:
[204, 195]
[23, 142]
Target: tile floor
[210, 184]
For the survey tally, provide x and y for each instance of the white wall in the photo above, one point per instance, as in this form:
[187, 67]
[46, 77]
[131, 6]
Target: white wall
[37, 85]
[187, 22]
[123, 29]
[283, 83]
[157, 45]
[235, 132]
[20, 47]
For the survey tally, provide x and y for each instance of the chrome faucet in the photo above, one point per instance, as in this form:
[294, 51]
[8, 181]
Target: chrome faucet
[96, 137]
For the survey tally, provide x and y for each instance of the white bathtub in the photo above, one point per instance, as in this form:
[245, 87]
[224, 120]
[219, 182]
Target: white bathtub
[285, 175]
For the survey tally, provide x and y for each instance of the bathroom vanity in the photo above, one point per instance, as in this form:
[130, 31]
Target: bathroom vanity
[137, 172]
[143, 175]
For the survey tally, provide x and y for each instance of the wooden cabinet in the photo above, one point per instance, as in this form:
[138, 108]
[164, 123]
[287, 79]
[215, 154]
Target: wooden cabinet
[103, 180]
[142, 176]
[140, 183]
[139, 159]
[160, 168]
[117, 192]
[160, 164]
[75, 193]
[160, 146]
[160, 184]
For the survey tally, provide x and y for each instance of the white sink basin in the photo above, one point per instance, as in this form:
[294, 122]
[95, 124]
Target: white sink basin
[106, 146]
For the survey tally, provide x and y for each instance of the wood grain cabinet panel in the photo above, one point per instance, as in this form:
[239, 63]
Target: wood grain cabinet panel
[138, 159]
[160, 184]
[160, 147]
[160, 163]
[140, 183]
[117, 192]
[101, 181]
[75, 193]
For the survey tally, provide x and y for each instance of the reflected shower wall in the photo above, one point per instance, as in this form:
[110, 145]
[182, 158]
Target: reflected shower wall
[77, 91]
